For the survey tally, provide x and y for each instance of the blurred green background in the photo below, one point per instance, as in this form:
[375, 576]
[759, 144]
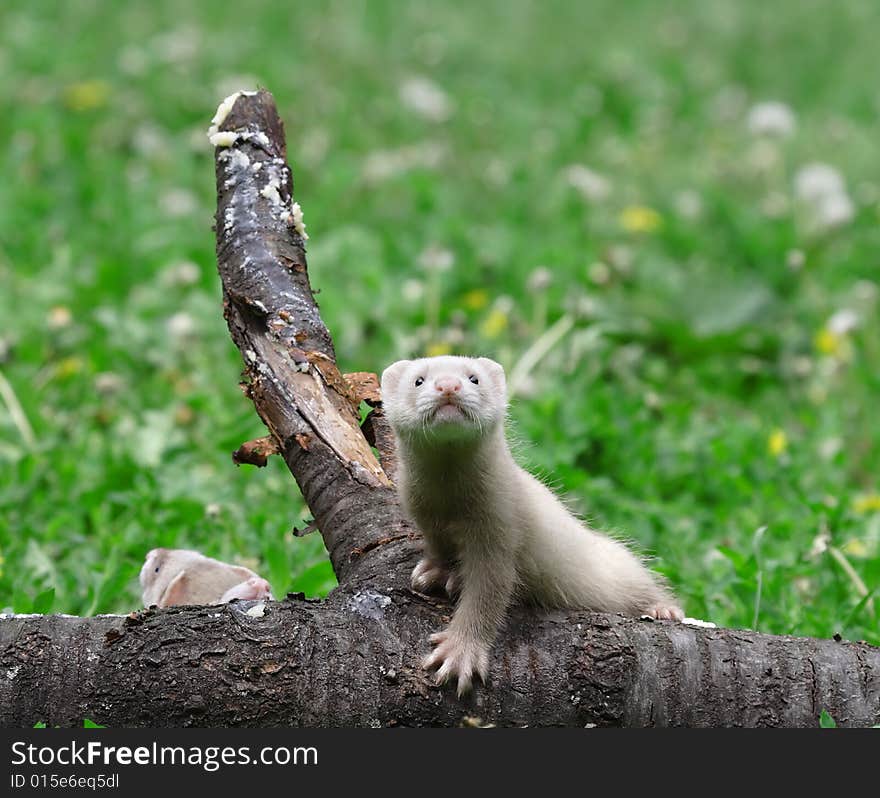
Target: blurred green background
[661, 217]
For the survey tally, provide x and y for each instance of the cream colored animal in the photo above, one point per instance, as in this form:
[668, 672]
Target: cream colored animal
[492, 532]
[179, 576]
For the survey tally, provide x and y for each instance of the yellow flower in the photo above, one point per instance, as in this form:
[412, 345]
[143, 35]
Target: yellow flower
[777, 442]
[476, 299]
[828, 342]
[494, 324]
[438, 348]
[68, 367]
[86, 95]
[867, 503]
[640, 219]
[855, 547]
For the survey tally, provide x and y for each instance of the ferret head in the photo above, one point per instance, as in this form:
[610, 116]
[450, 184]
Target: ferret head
[444, 398]
[178, 576]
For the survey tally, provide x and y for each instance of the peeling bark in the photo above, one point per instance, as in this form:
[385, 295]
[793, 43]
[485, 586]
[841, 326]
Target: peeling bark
[354, 659]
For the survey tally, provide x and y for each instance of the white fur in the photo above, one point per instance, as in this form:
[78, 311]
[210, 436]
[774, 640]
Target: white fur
[179, 576]
[492, 531]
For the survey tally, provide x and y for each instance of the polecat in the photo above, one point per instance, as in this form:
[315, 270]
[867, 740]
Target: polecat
[492, 532]
[179, 576]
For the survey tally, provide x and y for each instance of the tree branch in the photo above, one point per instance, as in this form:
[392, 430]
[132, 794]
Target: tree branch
[293, 380]
[354, 660]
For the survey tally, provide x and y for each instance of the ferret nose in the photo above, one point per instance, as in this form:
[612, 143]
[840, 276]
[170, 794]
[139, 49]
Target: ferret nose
[447, 385]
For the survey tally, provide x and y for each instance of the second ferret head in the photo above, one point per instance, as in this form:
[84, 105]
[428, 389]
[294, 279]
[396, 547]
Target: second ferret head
[444, 398]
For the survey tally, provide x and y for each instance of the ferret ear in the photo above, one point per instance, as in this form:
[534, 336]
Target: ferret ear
[495, 371]
[391, 377]
[177, 592]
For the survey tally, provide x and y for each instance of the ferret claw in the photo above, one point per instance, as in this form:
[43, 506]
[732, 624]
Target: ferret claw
[455, 659]
[666, 612]
[429, 576]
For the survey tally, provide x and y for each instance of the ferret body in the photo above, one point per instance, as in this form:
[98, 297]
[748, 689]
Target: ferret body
[179, 576]
[492, 532]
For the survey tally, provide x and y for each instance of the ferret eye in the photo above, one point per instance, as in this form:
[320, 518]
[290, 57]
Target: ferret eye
[157, 569]
[473, 379]
[419, 381]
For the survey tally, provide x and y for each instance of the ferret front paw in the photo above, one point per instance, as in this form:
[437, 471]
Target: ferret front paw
[666, 612]
[429, 576]
[254, 588]
[458, 659]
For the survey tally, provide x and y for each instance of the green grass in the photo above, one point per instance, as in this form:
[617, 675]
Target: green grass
[695, 406]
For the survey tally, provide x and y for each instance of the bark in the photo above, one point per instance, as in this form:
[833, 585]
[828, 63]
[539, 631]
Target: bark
[354, 659]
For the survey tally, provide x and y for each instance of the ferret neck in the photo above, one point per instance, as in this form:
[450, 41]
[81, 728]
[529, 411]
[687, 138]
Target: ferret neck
[426, 455]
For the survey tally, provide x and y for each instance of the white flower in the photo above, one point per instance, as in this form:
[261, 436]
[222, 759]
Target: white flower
[843, 321]
[178, 202]
[108, 382]
[540, 279]
[822, 189]
[771, 119]
[436, 259]
[795, 259]
[817, 180]
[384, 164]
[835, 210]
[180, 325]
[599, 273]
[591, 185]
[426, 98]
[184, 273]
[688, 204]
[412, 290]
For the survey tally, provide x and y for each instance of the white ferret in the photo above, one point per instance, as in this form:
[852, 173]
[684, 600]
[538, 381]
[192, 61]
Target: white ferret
[492, 532]
[179, 576]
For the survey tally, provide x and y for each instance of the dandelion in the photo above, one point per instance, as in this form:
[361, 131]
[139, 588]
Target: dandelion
[476, 299]
[640, 219]
[425, 98]
[86, 95]
[835, 210]
[688, 204]
[777, 443]
[178, 202]
[855, 547]
[821, 189]
[820, 544]
[68, 367]
[540, 279]
[843, 321]
[832, 339]
[599, 273]
[771, 118]
[412, 290]
[827, 342]
[384, 164]
[184, 273]
[817, 180]
[591, 185]
[795, 259]
[181, 325]
[437, 348]
[866, 503]
[436, 259]
[494, 324]
[59, 317]
[108, 382]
